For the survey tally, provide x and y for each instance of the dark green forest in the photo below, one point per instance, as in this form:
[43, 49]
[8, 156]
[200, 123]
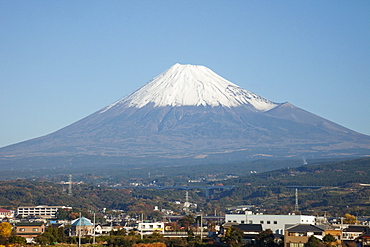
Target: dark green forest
[341, 188]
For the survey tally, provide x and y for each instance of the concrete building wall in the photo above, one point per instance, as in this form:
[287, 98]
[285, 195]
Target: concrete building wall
[274, 222]
[40, 211]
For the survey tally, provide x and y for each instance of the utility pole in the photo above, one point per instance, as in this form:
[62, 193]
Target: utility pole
[142, 224]
[79, 231]
[94, 231]
[201, 228]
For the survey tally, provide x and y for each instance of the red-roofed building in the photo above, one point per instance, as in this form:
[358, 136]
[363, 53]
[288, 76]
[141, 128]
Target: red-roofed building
[5, 213]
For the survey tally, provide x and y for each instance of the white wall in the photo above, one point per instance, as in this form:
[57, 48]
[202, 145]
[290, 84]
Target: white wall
[274, 222]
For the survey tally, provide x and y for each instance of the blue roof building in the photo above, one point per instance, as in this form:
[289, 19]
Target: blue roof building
[82, 227]
[82, 222]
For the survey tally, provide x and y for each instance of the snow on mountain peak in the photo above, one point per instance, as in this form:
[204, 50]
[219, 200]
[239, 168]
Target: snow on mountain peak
[192, 85]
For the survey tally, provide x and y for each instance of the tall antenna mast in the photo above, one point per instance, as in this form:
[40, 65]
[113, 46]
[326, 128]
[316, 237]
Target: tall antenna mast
[296, 200]
[70, 185]
[186, 204]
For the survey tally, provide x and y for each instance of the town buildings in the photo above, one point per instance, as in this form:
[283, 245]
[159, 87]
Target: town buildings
[297, 229]
[276, 223]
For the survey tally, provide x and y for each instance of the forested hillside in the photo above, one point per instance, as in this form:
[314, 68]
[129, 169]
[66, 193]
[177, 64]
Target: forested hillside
[332, 174]
[339, 191]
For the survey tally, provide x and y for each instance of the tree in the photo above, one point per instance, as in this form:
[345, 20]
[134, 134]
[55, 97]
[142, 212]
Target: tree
[17, 240]
[186, 221]
[349, 219]
[156, 237]
[73, 215]
[52, 235]
[155, 215]
[5, 230]
[149, 245]
[211, 225]
[120, 232]
[62, 214]
[265, 238]
[328, 239]
[233, 236]
[45, 238]
[313, 242]
[176, 242]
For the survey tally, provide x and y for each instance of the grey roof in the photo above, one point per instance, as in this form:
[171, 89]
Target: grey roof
[356, 229]
[304, 228]
[29, 223]
[250, 227]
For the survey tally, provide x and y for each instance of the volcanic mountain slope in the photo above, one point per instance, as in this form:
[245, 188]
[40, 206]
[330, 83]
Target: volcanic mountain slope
[190, 111]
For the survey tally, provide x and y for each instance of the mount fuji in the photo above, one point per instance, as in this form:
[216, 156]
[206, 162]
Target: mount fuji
[190, 112]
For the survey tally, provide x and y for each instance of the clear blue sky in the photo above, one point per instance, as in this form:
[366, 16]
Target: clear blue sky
[63, 60]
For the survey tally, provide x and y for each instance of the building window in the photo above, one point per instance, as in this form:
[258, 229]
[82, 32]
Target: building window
[22, 229]
[35, 229]
[261, 222]
[151, 226]
[275, 222]
[242, 221]
[296, 245]
[251, 222]
[268, 222]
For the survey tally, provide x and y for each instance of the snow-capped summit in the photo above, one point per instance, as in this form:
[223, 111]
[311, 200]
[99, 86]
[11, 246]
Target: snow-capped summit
[193, 85]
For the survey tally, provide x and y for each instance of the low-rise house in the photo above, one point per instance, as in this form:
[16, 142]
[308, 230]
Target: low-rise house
[337, 234]
[250, 232]
[150, 227]
[29, 230]
[364, 240]
[298, 235]
[105, 229]
[351, 233]
[5, 213]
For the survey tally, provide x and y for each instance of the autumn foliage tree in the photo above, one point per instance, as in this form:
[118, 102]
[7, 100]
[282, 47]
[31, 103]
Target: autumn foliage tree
[349, 219]
[5, 230]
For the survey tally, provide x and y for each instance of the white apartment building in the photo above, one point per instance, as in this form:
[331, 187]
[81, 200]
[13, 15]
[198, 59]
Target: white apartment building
[274, 222]
[150, 227]
[46, 212]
